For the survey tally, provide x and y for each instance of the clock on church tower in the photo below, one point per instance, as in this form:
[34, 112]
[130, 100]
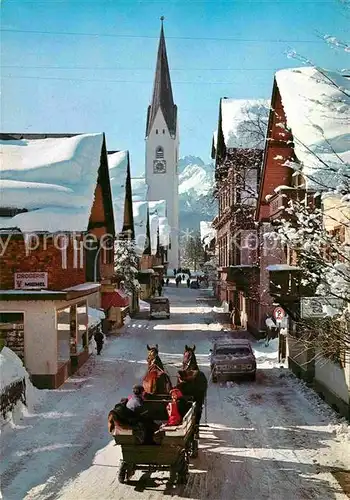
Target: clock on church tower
[159, 166]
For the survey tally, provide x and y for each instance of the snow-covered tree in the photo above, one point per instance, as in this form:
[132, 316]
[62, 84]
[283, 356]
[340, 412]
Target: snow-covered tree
[126, 264]
[193, 252]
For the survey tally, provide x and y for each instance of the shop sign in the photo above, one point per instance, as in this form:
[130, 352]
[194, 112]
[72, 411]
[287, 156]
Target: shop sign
[30, 281]
[316, 307]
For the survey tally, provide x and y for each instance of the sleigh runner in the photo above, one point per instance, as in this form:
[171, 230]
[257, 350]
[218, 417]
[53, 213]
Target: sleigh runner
[172, 449]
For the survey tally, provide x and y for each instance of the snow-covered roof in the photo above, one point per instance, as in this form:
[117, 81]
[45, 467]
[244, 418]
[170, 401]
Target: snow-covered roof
[207, 231]
[153, 228]
[54, 179]
[164, 231]
[317, 107]
[139, 189]
[157, 207]
[244, 122]
[118, 170]
[140, 213]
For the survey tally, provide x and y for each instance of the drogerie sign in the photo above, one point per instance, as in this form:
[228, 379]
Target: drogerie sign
[30, 281]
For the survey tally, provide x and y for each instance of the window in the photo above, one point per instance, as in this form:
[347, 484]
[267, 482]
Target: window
[159, 152]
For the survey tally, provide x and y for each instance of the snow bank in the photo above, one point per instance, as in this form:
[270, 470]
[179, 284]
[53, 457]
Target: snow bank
[12, 371]
[53, 179]
[140, 213]
[242, 122]
[266, 353]
[317, 107]
[144, 306]
[118, 169]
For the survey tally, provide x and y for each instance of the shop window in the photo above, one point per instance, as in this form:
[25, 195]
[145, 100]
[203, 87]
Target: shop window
[63, 335]
[12, 332]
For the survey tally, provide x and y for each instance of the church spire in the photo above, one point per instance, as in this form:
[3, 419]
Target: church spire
[162, 92]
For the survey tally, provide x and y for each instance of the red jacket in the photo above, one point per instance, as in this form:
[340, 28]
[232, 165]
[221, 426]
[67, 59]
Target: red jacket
[174, 414]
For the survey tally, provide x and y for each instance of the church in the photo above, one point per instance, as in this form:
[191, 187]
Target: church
[162, 147]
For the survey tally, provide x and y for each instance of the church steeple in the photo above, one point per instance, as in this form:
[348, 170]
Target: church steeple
[162, 92]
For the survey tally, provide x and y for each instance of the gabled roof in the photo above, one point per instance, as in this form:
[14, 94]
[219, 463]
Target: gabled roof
[52, 181]
[140, 213]
[162, 92]
[119, 172]
[316, 103]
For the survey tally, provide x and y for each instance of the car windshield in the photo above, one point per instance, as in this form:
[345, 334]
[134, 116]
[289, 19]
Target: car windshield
[232, 351]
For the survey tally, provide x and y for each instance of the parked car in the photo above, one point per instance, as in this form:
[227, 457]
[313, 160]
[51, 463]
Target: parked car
[194, 284]
[231, 358]
[159, 308]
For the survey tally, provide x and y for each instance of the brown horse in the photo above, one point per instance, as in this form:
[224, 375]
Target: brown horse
[192, 381]
[156, 380]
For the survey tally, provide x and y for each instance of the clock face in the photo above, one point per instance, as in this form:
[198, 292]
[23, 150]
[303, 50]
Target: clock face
[159, 166]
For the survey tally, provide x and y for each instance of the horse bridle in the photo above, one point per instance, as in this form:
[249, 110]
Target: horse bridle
[189, 361]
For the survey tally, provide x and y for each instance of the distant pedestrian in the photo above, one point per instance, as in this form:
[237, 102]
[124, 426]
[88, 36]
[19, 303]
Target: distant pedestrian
[99, 341]
[167, 282]
[174, 271]
[188, 282]
[183, 277]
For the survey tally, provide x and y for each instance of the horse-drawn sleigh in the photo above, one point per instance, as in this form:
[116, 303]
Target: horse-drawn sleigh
[172, 445]
[171, 451]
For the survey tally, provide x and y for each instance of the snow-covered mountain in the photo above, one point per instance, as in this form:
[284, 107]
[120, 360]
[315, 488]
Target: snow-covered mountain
[196, 182]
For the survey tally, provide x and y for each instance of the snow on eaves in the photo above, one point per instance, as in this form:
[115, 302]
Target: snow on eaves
[244, 122]
[140, 214]
[157, 207]
[153, 226]
[164, 231]
[207, 232]
[139, 189]
[317, 107]
[53, 179]
[118, 169]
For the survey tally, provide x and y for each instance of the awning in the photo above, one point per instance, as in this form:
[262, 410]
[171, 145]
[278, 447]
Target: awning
[114, 299]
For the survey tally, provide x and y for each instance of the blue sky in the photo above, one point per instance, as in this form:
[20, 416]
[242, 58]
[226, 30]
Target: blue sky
[84, 82]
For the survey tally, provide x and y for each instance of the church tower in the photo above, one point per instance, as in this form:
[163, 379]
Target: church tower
[162, 145]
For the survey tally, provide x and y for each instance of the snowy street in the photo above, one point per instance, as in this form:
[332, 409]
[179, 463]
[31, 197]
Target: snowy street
[268, 439]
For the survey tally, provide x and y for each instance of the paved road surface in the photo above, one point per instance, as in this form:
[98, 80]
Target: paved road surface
[266, 440]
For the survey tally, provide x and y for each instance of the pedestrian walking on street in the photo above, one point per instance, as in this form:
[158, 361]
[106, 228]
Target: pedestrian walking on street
[188, 282]
[99, 341]
[174, 272]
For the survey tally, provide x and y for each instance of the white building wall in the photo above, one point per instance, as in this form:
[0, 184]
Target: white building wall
[40, 338]
[165, 186]
[334, 377]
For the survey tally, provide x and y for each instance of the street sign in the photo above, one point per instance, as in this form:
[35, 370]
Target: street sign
[279, 314]
[319, 307]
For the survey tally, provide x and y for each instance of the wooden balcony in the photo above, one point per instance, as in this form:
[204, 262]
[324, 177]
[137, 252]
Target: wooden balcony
[243, 276]
[287, 284]
[279, 202]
